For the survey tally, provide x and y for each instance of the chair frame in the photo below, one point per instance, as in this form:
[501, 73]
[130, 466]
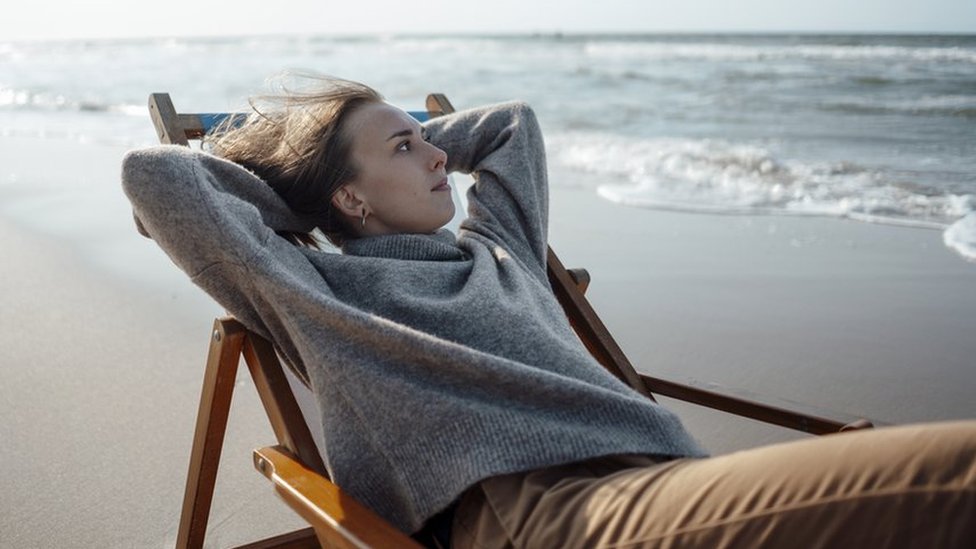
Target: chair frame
[295, 466]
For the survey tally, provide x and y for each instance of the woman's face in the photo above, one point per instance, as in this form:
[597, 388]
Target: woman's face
[402, 183]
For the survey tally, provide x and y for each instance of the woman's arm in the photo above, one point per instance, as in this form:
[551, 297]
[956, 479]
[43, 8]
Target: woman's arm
[218, 223]
[502, 147]
[202, 209]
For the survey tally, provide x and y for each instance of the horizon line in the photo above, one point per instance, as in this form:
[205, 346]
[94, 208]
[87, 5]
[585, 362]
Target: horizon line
[491, 34]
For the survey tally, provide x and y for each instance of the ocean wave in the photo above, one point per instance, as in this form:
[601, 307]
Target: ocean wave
[743, 52]
[22, 99]
[720, 177]
[963, 106]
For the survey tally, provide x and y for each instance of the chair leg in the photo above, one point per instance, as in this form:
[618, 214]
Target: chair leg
[208, 438]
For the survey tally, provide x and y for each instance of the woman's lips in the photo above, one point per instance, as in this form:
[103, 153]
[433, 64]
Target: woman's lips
[442, 186]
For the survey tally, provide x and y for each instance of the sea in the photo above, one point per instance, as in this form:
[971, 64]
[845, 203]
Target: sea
[872, 128]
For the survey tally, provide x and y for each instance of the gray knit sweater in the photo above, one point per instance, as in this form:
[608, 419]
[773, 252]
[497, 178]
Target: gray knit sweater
[436, 360]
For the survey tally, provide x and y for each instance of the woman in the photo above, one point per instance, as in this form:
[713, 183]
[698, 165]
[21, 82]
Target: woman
[451, 386]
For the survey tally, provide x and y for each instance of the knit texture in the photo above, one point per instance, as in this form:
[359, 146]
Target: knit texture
[437, 361]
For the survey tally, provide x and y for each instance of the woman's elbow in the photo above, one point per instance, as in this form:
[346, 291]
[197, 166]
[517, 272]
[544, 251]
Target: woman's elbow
[143, 170]
[523, 113]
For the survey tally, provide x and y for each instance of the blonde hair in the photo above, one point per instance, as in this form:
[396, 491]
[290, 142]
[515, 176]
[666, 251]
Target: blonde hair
[294, 141]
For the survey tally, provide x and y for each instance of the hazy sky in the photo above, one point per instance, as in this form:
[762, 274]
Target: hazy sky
[42, 19]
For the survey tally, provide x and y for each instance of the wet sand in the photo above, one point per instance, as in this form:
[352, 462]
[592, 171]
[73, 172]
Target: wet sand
[833, 317]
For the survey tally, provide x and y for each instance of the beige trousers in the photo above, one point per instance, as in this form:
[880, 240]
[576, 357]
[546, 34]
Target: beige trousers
[912, 486]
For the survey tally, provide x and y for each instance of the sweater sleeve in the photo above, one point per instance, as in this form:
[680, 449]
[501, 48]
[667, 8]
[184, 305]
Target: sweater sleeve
[502, 147]
[218, 223]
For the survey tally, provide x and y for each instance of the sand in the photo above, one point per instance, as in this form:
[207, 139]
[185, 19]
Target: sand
[104, 341]
[834, 317]
[101, 370]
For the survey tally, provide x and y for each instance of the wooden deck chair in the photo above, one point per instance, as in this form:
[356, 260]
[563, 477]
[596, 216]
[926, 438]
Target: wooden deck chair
[295, 466]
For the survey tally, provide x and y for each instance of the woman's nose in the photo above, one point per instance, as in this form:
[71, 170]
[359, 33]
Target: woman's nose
[438, 159]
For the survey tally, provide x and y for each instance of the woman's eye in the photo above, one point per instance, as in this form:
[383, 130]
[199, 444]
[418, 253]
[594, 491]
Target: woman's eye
[405, 146]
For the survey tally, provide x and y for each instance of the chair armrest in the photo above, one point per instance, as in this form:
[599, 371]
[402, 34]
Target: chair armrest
[338, 520]
[581, 277]
[751, 409]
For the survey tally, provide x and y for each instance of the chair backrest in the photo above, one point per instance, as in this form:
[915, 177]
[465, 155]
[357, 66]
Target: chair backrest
[173, 128]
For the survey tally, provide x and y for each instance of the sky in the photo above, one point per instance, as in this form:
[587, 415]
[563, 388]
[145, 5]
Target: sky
[65, 19]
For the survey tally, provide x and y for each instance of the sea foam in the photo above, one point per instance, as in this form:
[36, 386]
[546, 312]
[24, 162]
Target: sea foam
[720, 177]
[961, 236]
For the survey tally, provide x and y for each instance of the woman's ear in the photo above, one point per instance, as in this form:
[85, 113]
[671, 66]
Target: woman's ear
[348, 202]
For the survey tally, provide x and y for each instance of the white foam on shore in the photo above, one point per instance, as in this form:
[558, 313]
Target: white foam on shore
[720, 177]
[961, 237]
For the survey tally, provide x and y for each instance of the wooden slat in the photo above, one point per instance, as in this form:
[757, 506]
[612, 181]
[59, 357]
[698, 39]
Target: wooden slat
[191, 126]
[168, 125]
[590, 329]
[581, 277]
[438, 104]
[751, 409]
[208, 438]
[299, 539]
[338, 519]
[279, 402]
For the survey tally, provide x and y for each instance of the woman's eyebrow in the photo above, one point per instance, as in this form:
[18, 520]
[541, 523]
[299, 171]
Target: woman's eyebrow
[401, 133]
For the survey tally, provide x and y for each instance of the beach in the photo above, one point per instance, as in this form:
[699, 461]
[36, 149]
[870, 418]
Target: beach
[104, 341]
[709, 182]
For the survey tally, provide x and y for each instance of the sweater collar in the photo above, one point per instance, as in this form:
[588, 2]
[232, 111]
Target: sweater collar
[440, 246]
